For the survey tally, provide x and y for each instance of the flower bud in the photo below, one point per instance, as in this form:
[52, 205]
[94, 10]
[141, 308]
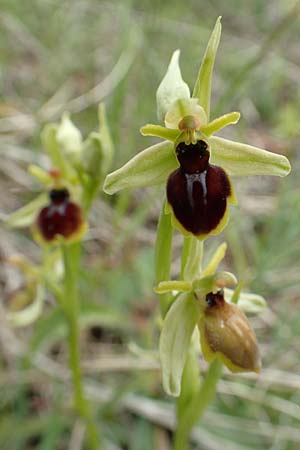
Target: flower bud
[61, 217]
[226, 333]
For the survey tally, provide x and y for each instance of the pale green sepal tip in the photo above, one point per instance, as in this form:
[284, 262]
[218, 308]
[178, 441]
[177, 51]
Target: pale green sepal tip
[171, 88]
[149, 167]
[29, 314]
[175, 339]
[243, 160]
[202, 89]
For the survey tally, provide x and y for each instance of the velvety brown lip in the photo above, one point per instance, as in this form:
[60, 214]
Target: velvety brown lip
[61, 217]
[197, 191]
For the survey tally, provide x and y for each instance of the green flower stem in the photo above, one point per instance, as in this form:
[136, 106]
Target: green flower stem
[71, 257]
[196, 408]
[163, 255]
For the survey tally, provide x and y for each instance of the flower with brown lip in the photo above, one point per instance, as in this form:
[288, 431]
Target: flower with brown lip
[61, 218]
[225, 332]
[198, 193]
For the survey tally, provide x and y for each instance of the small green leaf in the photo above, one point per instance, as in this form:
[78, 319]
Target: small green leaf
[159, 131]
[31, 312]
[173, 285]
[202, 89]
[175, 338]
[26, 215]
[171, 88]
[247, 302]
[242, 159]
[219, 123]
[149, 167]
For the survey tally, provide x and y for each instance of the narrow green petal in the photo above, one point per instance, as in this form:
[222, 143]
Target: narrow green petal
[173, 285]
[219, 123]
[171, 88]
[40, 175]
[242, 159]
[25, 216]
[149, 167]
[159, 131]
[175, 339]
[217, 257]
[202, 89]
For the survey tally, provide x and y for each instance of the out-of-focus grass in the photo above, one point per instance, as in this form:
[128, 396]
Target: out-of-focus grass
[58, 55]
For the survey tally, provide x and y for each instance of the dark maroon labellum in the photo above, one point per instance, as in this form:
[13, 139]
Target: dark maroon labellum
[61, 217]
[197, 191]
[216, 299]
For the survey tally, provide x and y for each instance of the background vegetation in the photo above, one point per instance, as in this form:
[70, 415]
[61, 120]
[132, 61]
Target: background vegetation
[68, 55]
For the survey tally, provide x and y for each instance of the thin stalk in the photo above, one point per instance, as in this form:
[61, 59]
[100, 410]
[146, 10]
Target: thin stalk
[71, 256]
[163, 255]
[198, 405]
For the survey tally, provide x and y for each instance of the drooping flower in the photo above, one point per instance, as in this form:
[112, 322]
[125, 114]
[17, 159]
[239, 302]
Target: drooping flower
[194, 164]
[205, 303]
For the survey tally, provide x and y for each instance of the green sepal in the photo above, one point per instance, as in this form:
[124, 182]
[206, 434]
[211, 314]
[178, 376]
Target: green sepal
[159, 131]
[171, 88]
[247, 302]
[220, 122]
[31, 312]
[69, 138]
[175, 338]
[58, 159]
[149, 167]
[202, 89]
[26, 215]
[243, 160]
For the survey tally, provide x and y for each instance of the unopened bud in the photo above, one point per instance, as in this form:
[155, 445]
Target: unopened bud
[225, 332]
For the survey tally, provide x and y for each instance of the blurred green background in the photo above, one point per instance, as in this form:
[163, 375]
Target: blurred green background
[59, 55]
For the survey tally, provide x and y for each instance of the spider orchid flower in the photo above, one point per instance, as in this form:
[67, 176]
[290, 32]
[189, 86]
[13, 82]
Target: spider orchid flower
[195, 165]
